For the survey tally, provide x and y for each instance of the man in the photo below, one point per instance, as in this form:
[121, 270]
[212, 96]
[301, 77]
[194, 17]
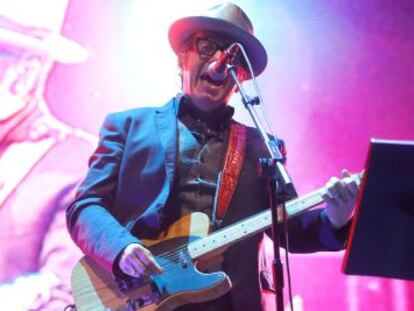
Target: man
[41, 159]
[156, 165]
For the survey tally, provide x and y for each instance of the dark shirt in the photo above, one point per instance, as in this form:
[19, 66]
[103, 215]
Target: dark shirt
[202, 146]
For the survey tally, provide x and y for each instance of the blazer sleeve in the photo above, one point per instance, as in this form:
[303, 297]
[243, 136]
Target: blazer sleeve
[310, 231]
[90, 222]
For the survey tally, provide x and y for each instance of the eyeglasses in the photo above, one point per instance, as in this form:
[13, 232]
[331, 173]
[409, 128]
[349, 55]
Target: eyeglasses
[207, 47]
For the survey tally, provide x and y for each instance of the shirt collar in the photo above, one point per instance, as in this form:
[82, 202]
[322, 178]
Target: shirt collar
[218, 118]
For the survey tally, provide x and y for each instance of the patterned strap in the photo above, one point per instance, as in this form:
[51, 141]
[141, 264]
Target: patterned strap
[232, 167]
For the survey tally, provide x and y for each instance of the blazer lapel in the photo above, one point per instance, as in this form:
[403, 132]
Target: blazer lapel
[166, 120]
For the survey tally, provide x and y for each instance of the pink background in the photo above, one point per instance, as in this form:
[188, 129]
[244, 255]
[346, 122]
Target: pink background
[339, 73]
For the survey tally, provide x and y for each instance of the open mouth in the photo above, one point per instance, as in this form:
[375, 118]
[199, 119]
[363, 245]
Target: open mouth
[206, 77]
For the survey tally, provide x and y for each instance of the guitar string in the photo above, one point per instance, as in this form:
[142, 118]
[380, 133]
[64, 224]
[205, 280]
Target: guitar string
[257, 219]
[169, 266]
[175, 254]
[234, 229]
[172, 255]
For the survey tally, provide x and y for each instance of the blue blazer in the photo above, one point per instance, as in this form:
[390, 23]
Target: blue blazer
[129, 180]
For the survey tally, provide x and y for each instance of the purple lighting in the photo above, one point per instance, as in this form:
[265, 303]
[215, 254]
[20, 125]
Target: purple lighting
[339, 73]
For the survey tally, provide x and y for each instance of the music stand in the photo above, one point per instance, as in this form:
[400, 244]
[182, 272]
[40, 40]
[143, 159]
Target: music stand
[381, 241]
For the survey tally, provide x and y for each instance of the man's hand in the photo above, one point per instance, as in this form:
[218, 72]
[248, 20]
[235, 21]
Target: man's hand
[136, 261]
[340, 196]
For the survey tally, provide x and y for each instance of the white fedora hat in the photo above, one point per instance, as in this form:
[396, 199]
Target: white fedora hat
[35, 25]
[227, 19]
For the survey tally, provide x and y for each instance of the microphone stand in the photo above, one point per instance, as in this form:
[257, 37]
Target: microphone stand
[279, 185]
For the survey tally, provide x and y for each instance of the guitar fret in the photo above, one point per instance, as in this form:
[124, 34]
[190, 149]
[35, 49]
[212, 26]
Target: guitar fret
[250, 226]
[301, 204]
[230, 235]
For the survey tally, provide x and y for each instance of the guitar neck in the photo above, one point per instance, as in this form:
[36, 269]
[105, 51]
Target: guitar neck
[251, 225]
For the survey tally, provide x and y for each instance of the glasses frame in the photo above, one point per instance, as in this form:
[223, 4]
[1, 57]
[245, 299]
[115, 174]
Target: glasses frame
[222, 47]
[217, 46]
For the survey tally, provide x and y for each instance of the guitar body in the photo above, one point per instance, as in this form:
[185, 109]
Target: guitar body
[94, 289]
[176, 250]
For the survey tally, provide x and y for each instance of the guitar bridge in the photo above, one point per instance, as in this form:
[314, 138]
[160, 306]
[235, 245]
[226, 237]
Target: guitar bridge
[128, 284]
[142, 301]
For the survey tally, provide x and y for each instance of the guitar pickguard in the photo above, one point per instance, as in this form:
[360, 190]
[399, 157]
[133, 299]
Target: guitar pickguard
[180, 278]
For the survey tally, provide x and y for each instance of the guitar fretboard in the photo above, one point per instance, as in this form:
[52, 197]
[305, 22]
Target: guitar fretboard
[251, 226]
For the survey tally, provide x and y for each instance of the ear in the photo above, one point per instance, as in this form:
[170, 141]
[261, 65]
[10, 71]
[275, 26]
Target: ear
[180, 59]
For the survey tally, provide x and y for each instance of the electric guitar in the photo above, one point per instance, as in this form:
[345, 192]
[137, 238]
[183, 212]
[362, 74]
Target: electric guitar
[177, 250]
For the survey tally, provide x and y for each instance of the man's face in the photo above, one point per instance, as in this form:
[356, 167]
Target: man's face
[194, 62]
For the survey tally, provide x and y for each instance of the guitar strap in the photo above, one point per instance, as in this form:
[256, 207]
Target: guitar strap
[233, 162]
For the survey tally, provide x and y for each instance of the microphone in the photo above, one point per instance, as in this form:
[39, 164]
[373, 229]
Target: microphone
[217, 70]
